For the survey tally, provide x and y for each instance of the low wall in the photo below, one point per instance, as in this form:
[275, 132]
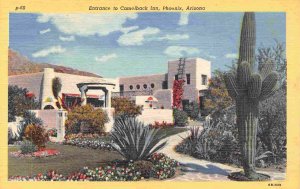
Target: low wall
[48, 117]
[149, 116]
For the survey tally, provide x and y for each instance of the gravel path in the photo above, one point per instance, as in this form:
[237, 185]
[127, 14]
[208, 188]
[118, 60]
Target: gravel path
[201, 170]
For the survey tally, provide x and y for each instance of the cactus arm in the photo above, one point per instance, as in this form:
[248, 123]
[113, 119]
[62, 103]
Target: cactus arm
[243, 75]
[269, 85]
[254, 86]
[231, 85]
[266, 69]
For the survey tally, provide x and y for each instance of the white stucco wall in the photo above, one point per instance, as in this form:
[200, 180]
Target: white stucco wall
[149, 116]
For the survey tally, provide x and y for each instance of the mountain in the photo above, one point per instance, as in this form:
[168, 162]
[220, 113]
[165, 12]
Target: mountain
[19, 64]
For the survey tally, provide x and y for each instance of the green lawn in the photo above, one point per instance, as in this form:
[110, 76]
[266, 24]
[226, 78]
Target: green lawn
[70, 159]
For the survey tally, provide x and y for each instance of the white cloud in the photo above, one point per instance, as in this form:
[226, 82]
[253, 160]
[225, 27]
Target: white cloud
[173, 37]
[184, 19]
[51, 50]
[129, 29]
[179, 51]
[87, 24]
[231, 55]
[45, 31]
[136, 37]
[106, 57]
[70, 38]
[212, 57]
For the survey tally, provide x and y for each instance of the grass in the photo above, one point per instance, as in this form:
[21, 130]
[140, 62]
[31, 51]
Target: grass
[71, 159]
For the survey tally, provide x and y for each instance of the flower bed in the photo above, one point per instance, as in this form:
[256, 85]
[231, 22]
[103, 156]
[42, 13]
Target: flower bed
[93, 141]
[163, 168]
[40, 153]
[89, 143]
[163, 124]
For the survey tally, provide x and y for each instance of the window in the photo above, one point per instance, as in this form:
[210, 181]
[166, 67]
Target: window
[188, 79]
[130, 87]
[138, 86]
[204, 79]
[121, 88]
[145, 86]
[152, 85]
[164, 85]
[176, 77]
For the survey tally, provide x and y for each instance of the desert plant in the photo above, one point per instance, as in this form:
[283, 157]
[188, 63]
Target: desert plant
[29, 117]
[248, 89]
[28, 147]
[125, 107]
[86, 119]
[135, 141]
[180, 117]
[56, 88]
[37, 135]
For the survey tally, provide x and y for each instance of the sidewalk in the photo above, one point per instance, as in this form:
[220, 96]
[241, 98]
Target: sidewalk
[201, 170]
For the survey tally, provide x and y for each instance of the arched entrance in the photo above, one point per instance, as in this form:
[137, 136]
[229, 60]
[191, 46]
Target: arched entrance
[105, 87]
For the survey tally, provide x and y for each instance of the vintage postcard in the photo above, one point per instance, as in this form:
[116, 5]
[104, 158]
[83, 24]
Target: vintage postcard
[139, 94]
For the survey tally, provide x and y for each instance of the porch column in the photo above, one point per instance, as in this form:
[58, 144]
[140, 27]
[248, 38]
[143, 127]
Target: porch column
[108, 100]
[83, 91]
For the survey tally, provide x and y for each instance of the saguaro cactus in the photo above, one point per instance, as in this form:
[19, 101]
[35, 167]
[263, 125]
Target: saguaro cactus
[248, 88]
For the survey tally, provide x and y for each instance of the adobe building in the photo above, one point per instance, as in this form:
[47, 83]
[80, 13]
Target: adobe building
[194, 71]
[150, 91]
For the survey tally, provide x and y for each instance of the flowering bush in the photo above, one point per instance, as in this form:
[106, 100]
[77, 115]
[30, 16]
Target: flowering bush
[163, 124]
[52, 132]
[37, 135]
[177, 93]
[163, 167]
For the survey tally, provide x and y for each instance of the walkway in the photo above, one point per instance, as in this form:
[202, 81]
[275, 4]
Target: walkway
[201, 170]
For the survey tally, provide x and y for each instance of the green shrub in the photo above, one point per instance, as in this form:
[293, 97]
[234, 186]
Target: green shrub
[28, 118]
[135, 141]
[18, 102]
[193, 110]
[180, 117]
[86, 119]
[28, 147]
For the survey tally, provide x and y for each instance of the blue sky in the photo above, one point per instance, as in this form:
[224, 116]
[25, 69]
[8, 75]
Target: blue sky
[114, 45]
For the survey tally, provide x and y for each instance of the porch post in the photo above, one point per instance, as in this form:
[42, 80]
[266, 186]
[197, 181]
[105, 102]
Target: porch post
[83, 91]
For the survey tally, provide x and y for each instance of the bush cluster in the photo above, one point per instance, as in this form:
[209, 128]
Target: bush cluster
[94, 143]
[219, 140]
[86, 119]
